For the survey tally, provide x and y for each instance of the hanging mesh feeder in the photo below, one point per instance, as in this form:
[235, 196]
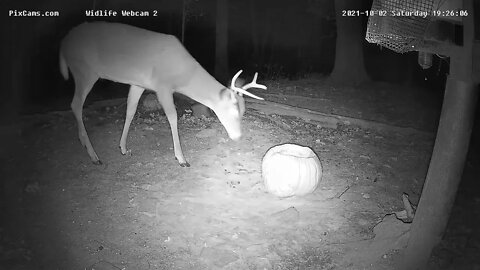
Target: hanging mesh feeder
[398, 33]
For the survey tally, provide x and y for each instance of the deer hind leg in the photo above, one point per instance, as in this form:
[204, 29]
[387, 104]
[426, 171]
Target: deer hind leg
[166, 100]
[84, 82]
[132, 102]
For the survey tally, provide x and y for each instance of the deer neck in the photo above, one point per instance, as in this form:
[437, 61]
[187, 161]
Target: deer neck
[202, 87]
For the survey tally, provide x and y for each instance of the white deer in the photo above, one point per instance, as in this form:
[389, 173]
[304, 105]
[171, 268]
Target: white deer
[145, 60]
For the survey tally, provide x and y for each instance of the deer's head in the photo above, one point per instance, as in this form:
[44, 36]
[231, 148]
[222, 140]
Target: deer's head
[231, 107]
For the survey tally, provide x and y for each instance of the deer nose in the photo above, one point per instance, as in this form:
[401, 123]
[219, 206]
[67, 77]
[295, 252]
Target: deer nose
[235, 137]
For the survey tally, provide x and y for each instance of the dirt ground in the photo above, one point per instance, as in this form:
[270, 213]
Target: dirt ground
[144, 211]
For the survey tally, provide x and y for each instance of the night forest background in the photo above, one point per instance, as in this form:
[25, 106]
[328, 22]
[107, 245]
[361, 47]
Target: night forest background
[278, 38]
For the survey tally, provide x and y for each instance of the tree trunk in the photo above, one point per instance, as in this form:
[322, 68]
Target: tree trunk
[449, 153]
[254, 28]
[261, 33]
[18, 53]
[349, 66]
[221, 41]
[184, 20]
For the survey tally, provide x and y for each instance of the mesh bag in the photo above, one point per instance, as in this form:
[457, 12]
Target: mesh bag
[398, 33]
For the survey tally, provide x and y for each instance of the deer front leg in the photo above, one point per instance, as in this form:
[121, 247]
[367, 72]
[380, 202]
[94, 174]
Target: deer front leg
[166, 100]
[132, 102]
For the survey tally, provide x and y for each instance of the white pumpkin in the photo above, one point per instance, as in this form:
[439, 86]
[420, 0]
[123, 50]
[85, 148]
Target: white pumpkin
[291, 170]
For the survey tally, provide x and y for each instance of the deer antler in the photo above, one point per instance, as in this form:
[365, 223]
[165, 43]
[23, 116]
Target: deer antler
[254, 84]
[243, 90]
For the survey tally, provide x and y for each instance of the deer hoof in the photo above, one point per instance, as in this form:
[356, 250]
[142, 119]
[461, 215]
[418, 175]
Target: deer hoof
[183, 164]
[127, 152]
[97, 162]
[186, 164]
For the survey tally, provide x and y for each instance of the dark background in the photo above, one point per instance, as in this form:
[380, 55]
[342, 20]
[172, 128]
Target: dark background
[290, 39]
[279, 39]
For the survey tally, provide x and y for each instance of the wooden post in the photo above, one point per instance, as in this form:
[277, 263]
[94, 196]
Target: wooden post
[449, 154]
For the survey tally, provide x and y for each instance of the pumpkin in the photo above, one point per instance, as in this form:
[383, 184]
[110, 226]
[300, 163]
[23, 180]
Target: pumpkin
[291, 170]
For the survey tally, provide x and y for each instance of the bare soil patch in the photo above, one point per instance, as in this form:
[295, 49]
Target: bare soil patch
[144, 211]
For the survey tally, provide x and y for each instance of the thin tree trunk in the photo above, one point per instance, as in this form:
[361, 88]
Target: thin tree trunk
[254, 29]
[349, 66]
[184, 19]
[17, 86]
[221, 41]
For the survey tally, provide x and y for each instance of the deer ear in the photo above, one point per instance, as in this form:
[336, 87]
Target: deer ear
[228, 94]
[241, 104]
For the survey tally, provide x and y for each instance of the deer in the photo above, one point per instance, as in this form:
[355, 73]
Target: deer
[148, 60]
